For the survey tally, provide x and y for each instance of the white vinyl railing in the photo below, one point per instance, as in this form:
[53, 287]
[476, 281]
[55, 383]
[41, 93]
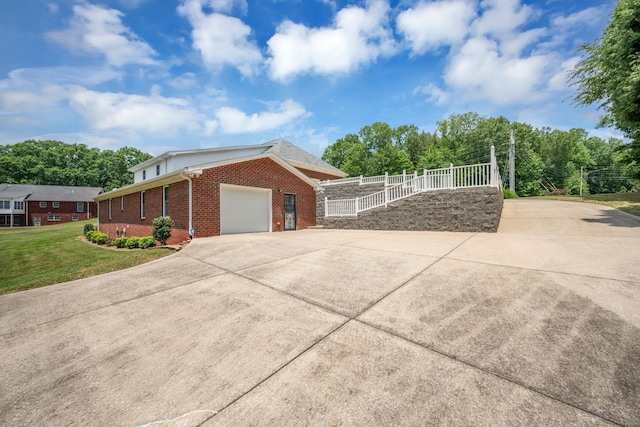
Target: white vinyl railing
[401, 186]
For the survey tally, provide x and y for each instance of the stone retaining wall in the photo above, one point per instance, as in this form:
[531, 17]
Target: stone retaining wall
[465, 209]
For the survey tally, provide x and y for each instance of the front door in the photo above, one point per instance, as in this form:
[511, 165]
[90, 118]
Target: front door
[36, 221]
[289, 212]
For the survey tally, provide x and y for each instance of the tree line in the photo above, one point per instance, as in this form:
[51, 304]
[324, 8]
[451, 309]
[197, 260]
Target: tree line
[547, 159]
[58, 163]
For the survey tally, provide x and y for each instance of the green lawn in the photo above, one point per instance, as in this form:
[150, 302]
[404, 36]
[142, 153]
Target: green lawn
[627, 202]
[40, 256]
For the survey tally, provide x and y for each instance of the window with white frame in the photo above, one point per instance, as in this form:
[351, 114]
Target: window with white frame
[165, 197]
[157, 170]
[43, 204]
[74, 217]
[142, 207]
[110, 208]
[55, 204]
[144, 174]
[80, 207]
[5, 204]
[53, 217]
[18, 205]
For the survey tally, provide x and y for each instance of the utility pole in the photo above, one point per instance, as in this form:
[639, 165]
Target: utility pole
[581, 169]
[512, 163]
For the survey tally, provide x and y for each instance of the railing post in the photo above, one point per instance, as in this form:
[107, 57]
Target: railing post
[386, 179]
[451, 183]
[494, 166]
[326, 204]
[386, 196]
[424, 179]
[357, 208]
[360, 179]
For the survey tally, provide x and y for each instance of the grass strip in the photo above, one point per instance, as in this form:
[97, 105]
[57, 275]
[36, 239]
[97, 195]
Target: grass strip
[31, 257]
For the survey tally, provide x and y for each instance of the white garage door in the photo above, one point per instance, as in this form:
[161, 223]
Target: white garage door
[244, 209]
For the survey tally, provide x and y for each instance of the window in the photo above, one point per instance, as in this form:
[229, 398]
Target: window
[53, 217]
[157, 170]
[5, 204]
[18, 205]
[144, 174]
[80, 207]
[110, 208]
[55, 204]
[74, 217]
[121, 203]
[43, 204]
[142, 204]
[165, 197]
[16, 220]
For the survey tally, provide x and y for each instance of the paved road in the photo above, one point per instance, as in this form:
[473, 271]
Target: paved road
[538, 324]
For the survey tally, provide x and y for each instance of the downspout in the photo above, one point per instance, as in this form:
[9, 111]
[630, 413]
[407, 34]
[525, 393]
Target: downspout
[188, 178]
[98, 213]
[188, 175]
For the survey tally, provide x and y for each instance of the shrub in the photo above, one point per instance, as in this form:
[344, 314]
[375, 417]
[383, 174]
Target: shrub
[91, 235]
[147, 242]
[508, 194]
[101, 238]
[133, 242]
[120, 242]
[161, 228]
[88, 228]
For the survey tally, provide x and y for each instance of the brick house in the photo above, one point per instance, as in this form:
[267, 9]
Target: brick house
[35, 205]
[256, 188]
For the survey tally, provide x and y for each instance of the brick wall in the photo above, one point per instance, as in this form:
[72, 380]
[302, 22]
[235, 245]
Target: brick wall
[65, 211]
[262, 173]
[470, 210]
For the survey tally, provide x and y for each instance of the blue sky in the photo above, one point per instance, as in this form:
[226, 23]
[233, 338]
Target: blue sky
[163, 75]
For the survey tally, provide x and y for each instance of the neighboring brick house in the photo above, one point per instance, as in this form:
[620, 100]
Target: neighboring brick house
[256, 188]
[37, 205]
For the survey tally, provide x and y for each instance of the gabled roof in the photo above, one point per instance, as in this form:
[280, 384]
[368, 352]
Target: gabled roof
[49, 193]
[196, 170]
[284, 149]
[298, 157]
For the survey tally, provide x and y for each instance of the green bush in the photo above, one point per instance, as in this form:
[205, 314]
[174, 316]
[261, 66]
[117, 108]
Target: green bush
[161, 228]
[120, 242]
[101, 238]
[91, 235]
[508, 194]
[88, 228]
[133, 242]
[147, 242]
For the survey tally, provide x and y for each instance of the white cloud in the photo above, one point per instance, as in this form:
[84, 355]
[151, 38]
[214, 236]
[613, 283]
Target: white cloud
[428, 26]
[147, 114]
[501, 17]
[18, 101]
[590, 17]
[480, 72]
[97, 30]
[357, 37]
[559, 81]
[184, 81]
[227, 6]
[435, 94]
[221, 39]
[233, 121]
[31, 89]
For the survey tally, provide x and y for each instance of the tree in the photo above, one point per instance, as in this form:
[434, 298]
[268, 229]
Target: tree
[609, 74]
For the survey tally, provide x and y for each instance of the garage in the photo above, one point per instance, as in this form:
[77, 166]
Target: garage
[244, 209]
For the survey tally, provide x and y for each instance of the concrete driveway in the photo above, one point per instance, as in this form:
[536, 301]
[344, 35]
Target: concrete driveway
[538, 324]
